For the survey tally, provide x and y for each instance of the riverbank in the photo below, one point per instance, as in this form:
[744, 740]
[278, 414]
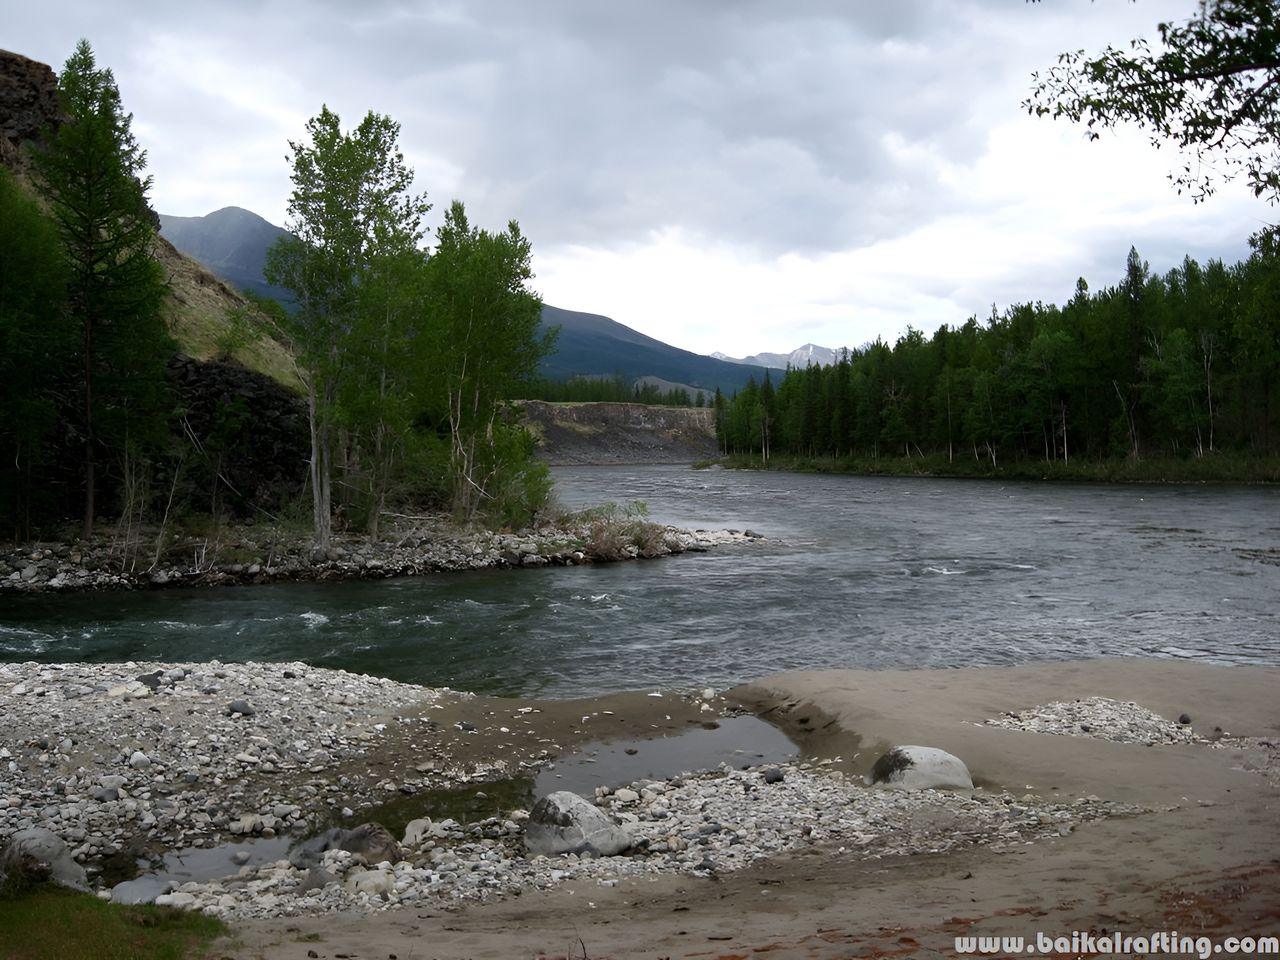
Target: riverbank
[1123, 821]
[1216, 468]
[273, 553]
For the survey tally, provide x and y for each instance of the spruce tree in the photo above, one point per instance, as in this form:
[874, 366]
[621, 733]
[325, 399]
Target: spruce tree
[89, 170]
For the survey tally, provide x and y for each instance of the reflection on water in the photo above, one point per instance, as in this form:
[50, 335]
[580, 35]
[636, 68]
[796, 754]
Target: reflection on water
[859, 572]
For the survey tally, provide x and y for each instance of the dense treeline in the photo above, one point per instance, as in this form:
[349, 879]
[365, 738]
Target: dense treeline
[615, 389]
[1181, 365]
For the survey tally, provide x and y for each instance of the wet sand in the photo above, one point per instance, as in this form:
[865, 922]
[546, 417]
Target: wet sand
[1205, 861]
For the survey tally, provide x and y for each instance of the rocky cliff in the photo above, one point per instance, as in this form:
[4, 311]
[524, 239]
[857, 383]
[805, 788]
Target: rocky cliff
[28, 103]
[621, 432]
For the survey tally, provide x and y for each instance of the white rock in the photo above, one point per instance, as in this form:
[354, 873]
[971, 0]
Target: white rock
[910, 767]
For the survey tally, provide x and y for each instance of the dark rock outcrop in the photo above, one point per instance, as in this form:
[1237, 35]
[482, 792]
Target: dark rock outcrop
[252, 431]
[28, 103]
[28, 97]
[621, 432]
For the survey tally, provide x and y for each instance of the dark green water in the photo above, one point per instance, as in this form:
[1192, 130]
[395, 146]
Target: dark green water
[860, 572]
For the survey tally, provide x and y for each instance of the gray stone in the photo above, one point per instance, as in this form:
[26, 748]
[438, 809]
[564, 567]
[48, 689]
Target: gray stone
[139, 760]
[241, 707]
[142, 890]
[369, 840]
[563, 822]
[36, 854]
[317, 878]
[773, 775]
[911, 767]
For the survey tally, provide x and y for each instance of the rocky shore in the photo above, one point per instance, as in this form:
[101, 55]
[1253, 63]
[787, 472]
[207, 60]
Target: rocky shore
[412, 546]
[126, 760]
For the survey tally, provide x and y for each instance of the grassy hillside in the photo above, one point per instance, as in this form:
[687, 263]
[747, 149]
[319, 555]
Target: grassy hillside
[210, 319]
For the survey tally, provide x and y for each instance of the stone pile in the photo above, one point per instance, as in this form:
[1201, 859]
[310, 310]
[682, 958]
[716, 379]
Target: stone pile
[1120, 721]
[697, 825]
[265, 555]
[135, 756]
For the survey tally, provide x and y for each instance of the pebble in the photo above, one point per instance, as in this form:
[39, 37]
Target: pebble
[427, 545]
[1120, 721]
[110, 771]
[699, 825]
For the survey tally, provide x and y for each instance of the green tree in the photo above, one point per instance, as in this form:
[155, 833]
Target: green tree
[1212, 87]
[351, 214]
[484, 338]
[36, 347]
[89, 170]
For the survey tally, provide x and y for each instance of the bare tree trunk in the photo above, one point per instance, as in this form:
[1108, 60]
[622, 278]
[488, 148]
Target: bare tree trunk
[319, 468]
[1206, 352]
[1064, 432]
[1127, 409]
[86, 528]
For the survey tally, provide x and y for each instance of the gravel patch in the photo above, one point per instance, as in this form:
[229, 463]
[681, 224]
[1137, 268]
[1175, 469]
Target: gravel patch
[700, 826]
[1120, 721]
[138, 756]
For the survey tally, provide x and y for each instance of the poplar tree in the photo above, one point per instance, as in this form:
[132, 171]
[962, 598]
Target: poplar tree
[89, 168]
[351, 214]
[485, 343]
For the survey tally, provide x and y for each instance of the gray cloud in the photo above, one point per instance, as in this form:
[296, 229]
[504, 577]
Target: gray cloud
[812, 127]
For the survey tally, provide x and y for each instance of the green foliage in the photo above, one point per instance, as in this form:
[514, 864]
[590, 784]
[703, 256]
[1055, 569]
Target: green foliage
[1181, 366]
[1212, 87]
[617, 531]
[36, 345]
[240, 332]
[88, 169]
[484, 342]
[51, 923]
[354, 230]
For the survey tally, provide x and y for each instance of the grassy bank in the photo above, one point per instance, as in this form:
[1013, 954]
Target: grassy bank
[1224, 468]
[50, 923]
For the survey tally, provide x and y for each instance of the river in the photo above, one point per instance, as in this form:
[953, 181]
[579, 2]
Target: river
[857, 572]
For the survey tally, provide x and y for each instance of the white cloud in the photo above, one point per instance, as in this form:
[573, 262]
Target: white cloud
[738, 176]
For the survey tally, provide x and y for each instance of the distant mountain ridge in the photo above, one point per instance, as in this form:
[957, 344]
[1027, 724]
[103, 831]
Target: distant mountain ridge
[809, 355]
[233, 243]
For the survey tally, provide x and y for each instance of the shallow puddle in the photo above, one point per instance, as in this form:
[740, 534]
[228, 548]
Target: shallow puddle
[738, 741]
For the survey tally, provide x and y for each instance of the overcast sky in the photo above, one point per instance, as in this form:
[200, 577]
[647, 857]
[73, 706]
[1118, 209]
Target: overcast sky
[735, 176]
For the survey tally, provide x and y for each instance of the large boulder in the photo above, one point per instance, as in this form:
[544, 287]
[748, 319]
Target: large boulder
[921, 768]
[372, 841]
[563, 822]
[37, 855]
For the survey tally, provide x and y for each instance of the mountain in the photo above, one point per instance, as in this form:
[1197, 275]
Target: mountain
[593, 345]
[233, 244]
[801, 357]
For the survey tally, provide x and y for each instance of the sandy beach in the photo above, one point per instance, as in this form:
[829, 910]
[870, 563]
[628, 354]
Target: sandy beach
[1204, 859]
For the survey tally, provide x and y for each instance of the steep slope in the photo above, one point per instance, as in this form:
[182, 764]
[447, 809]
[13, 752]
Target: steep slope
[200, 308]
[232, 242]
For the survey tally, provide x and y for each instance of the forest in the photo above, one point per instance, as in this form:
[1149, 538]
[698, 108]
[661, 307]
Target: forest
[1182, 366]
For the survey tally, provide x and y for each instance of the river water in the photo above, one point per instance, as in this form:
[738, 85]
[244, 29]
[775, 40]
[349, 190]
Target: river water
[857, 572]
